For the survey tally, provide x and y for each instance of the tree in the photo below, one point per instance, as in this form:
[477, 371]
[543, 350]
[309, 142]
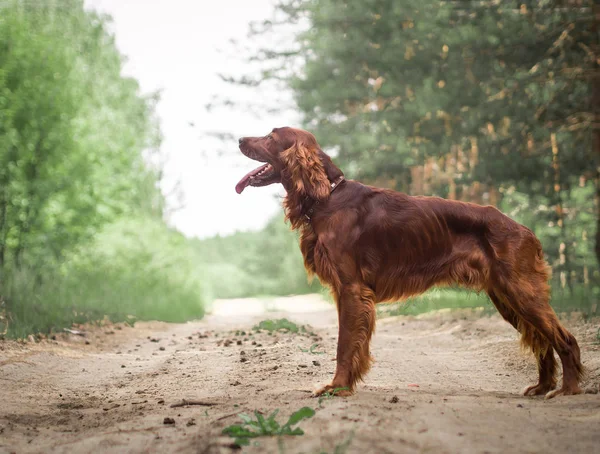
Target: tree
[474, 100]
[73, 132]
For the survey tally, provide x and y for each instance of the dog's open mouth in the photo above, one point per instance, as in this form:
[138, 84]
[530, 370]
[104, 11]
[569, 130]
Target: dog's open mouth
[261, 176]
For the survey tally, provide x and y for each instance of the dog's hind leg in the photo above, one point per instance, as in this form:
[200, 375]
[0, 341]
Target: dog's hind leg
[356, 314]
[531, 338]
[541, 329]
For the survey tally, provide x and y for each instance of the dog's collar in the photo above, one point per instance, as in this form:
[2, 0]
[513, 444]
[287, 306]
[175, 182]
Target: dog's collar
[311, 209]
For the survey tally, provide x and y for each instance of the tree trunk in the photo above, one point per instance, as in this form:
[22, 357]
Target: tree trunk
[597, 181]
[563, 249]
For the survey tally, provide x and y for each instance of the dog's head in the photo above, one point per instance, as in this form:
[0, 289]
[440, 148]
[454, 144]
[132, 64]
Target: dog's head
[292, 157]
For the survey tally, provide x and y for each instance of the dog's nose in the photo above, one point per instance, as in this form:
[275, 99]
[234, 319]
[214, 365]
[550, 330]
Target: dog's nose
[240, 140]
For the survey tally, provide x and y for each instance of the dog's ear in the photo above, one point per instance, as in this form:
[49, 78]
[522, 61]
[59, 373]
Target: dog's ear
[332, 171]
[307, 170]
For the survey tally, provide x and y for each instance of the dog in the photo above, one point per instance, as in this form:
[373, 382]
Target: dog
[372, 245]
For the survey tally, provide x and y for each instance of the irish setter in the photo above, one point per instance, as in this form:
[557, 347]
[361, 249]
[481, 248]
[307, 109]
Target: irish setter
[371, 245]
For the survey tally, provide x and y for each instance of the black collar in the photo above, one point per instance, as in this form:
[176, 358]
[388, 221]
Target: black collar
[311, 206]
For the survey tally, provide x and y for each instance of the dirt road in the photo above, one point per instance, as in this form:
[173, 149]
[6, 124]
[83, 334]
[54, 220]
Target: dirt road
[443, 383]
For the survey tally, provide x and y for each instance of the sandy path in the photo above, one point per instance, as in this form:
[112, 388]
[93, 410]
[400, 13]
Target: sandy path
[112, 394]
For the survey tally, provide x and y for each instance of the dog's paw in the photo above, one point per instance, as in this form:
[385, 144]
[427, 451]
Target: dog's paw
[570, 391]
[538, 390]
[333, 390]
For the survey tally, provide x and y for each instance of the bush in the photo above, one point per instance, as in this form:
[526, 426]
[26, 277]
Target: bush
[133, 270]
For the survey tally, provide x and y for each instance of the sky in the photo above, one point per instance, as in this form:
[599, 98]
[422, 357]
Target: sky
[180, 47]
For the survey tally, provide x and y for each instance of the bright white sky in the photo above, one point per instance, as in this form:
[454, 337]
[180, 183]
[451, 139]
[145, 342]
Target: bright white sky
[179, 46]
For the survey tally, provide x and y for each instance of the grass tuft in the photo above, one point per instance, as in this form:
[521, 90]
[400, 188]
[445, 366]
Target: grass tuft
[282, 324]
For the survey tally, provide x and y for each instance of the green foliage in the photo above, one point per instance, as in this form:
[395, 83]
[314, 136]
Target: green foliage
[330, 395]
[433, 300]
[282, 324]
[568, 249]
[72, 132]
[133, 270]
[389, 84]
[564, 300]
[81, 213]
[285, 326]
[578, 298]
[267, 262]
[269, 427]
[487, 101]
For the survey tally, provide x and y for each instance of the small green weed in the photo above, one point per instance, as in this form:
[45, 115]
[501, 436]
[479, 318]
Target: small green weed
[311, 350]
[268, 427]
[284, 325]
[598, 336]
[276, 325]
[331, 394]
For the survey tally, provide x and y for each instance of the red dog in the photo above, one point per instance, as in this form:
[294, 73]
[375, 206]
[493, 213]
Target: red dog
[372, 245]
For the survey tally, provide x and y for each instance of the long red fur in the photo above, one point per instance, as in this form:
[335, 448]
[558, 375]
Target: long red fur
[371, 245]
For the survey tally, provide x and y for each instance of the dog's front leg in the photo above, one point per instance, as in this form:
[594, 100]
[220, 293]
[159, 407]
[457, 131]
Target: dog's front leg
[356, 316]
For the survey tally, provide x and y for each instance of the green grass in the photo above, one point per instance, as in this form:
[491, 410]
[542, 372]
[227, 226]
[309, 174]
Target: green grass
[330, 395]
[45, 305]
[563, 301]
[584, 299]
[282, 324]
[132, 270]
[433, 300]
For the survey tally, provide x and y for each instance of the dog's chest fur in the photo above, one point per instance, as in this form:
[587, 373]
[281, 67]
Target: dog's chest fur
[317, 259]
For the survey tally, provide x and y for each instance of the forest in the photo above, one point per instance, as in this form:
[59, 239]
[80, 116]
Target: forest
[82, 228]
[492, 102]
[482, 101]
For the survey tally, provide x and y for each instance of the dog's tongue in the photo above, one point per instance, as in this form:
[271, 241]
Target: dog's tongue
[246, 180]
